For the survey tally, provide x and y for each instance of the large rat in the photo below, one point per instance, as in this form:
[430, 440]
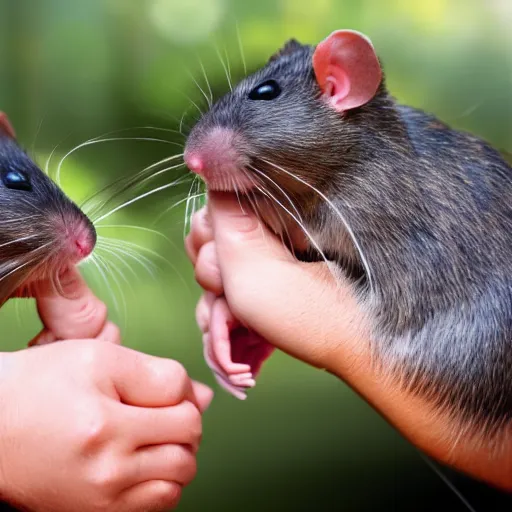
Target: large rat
[42, 232]
[418, 216]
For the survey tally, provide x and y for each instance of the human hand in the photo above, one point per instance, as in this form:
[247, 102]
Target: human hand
[254, 285]
[255, 291]
[94, 426]
[73, 312]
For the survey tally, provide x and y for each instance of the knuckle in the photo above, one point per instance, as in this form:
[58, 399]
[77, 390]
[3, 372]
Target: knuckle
[193, 420]
[207, 271]
[114, 332]
[171, 376]
[179, 372]
[104, 478]
[95, 432]
[185, 465]
[93, 314]
[203, 311]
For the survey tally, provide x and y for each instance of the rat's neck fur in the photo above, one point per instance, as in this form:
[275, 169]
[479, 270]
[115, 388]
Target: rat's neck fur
[430, 209]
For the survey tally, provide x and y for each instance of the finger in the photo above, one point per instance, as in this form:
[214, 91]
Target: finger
[237, 392]
[203, 394]
[151, 496]
[242, 380]
[179, 424]
[110, 333]
[221, 377]
[201, 232]
[221, 322]
[241, 238]
[207, 271]
[43, 338]
[169, 462]
[203, 311]
[160, 382]
[73, 314]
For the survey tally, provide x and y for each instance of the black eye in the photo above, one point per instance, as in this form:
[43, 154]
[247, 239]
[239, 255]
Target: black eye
[268, 90]
[16, 180]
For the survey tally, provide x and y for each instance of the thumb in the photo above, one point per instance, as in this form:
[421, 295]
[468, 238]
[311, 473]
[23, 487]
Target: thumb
[242, 240]
[287, 302]
[71, 310]
[203, 394]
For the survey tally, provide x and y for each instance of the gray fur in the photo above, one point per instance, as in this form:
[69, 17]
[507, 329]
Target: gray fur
[29, 220]
[431, 210]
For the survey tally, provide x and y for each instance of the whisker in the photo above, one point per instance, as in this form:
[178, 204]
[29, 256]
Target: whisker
[301, 226]
[176, 204]
[182, 119]
[140, 228]
[240, 47]
[337, 212]
[113, 253]
[228, 65]
[141, 248]
[447, 481]
[138, 198]
[208, 101]
[206, 80]
[113, 273]
[113, 139]
[224, 67]
[38, 131]
[96, 262]
[275, 184]
[22, 239]
[47, 164]
[187, 207]
[144, 262]
[159, 173]
[29, 262]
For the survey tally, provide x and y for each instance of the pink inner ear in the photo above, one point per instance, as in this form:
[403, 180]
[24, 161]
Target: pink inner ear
[347, 69]
[6, 127]
[337, 85]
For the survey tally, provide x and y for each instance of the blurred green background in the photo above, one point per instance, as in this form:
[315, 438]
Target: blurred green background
[74, 70]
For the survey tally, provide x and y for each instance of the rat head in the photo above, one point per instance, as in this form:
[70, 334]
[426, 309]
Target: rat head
[289, 126]
[41, 231]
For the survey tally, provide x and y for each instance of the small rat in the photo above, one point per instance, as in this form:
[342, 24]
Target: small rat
[42, 232]
[416, 215]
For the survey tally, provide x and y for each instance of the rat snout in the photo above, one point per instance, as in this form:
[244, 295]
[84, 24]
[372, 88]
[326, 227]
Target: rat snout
[84, 243]
[217, 155]
[80, 238]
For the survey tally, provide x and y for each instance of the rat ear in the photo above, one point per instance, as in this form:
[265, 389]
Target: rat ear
[6, 127]
[347, 69]
[289, 47]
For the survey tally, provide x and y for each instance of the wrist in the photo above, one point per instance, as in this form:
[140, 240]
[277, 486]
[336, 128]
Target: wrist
[427, 425]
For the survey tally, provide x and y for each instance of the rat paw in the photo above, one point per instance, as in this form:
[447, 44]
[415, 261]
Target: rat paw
[234, 353]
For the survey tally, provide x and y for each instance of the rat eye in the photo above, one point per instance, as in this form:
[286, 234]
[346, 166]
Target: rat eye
[16, 180]
[268, 90]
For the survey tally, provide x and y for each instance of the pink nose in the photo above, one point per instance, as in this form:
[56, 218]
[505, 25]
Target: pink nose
[84, 246]
[194, 163]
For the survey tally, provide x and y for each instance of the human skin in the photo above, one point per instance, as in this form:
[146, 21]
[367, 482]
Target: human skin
[90, 425]
[297, 307]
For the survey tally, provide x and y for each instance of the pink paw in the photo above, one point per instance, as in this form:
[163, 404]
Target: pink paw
[234, 353]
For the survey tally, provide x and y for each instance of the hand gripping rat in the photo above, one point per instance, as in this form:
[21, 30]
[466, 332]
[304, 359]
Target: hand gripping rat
[42, 232]
[416, 215]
